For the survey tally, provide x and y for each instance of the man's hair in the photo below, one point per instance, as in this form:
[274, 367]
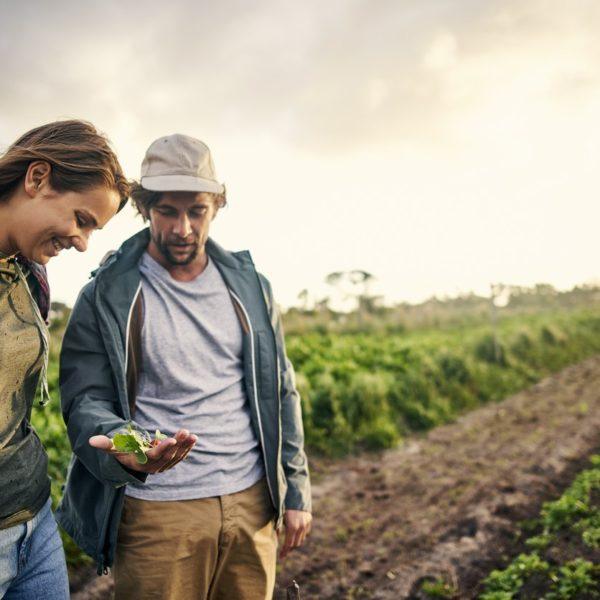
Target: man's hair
[80, 159]
[144, 199]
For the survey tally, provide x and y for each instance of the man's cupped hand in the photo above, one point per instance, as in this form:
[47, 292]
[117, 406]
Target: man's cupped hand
[164, 456]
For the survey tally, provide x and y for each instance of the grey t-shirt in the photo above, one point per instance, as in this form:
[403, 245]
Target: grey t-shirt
[192, 378]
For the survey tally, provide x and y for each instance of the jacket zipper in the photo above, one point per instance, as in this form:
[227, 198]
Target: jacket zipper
[260, 429]
[135, 297]
[102, 568]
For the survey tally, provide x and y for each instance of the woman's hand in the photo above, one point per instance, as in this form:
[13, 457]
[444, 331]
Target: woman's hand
[165, 455]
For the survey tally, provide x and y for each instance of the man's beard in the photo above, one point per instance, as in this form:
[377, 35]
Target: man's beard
[164, 249]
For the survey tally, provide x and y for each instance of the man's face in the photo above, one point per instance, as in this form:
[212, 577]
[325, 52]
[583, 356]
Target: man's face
[179, 224]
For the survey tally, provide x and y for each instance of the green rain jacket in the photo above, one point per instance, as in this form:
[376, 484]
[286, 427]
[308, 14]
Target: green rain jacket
[98, 369]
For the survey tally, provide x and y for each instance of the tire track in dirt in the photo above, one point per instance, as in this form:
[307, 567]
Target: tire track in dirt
[446, 503]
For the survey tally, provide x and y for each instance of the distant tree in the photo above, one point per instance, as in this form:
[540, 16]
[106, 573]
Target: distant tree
[356, 285]
[545, 289]
[303, 296]
[322, 305]
[334, 279]
[357, 277]
[365, 301]
[370, 304]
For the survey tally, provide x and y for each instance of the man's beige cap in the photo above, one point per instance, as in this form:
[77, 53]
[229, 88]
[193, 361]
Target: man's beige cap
[179, 163]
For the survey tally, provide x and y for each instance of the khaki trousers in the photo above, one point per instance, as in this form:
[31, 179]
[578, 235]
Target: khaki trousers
[221, 548]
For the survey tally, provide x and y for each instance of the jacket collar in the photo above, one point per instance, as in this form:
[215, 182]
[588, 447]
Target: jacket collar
[129, 254]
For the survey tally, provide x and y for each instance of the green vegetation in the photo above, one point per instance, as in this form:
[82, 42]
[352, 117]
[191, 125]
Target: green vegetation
[136, 442]
[365, 391]
[439, 589]
[50, 426]
[563, 564]
[370, 315]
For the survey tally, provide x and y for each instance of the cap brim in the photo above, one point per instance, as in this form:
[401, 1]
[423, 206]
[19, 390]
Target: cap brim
[180, 183]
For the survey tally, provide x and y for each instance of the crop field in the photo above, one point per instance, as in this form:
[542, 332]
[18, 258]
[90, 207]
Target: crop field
[562, 557]
[371, 391]
[367, 391]
[434, 517]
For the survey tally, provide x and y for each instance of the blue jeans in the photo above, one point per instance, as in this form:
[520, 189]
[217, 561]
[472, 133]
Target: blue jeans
[32, 560]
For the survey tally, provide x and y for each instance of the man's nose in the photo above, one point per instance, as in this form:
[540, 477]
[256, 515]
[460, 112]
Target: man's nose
[183, 227]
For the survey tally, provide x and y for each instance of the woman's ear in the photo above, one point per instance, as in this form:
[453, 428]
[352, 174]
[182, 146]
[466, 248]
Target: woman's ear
[37, 177]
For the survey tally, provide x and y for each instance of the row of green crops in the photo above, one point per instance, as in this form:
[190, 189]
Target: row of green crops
[367, 391]
[563, 563]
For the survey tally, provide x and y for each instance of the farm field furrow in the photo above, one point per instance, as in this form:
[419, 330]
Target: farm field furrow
[446, 505]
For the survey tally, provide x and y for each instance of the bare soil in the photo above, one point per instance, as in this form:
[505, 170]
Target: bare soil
[447, 505]
[444, 505]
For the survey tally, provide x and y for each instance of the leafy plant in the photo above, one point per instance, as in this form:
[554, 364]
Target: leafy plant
[575, 511]
[136, 442]
[439, 589]
[574, 579]
[505, 584]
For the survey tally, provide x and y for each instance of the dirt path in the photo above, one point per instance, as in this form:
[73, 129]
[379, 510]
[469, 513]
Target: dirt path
[446, 504]
[443, 504]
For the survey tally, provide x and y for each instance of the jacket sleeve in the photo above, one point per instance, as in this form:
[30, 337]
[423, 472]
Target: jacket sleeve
[293, 457]
[89, 399]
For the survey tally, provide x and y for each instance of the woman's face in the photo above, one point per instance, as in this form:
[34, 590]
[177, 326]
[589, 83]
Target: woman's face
[52, 221]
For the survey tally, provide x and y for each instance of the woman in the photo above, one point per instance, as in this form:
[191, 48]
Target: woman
[58, 183]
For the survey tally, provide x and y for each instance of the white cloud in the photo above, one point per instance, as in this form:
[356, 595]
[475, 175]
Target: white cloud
[440, 145]
[442, 53]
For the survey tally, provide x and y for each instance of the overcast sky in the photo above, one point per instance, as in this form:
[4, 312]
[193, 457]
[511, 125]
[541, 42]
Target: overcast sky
[440, 145]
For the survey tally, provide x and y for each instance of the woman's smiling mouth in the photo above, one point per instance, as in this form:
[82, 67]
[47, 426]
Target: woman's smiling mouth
[57, 244]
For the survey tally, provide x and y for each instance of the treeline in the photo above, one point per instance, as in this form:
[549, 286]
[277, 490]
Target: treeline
[370, 315]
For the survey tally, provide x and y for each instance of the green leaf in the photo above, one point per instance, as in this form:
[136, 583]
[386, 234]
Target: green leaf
[133, 441]
[141, 457]
[124, 442]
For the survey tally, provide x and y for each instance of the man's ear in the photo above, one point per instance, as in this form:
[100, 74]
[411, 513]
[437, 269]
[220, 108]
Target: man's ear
[219, 203]
[37, 177]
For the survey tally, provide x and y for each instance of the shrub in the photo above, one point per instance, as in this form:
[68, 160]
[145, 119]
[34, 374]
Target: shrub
[490, 350]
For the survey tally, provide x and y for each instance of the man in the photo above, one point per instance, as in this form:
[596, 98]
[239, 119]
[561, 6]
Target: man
[175, 333]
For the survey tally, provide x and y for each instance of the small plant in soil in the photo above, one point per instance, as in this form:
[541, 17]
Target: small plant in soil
[439, 589]
[564, 560]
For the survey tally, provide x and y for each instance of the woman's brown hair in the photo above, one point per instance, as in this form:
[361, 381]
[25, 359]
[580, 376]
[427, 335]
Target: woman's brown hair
[79, 156]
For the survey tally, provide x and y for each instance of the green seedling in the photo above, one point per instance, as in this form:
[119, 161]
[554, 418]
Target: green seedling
[136, 442]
